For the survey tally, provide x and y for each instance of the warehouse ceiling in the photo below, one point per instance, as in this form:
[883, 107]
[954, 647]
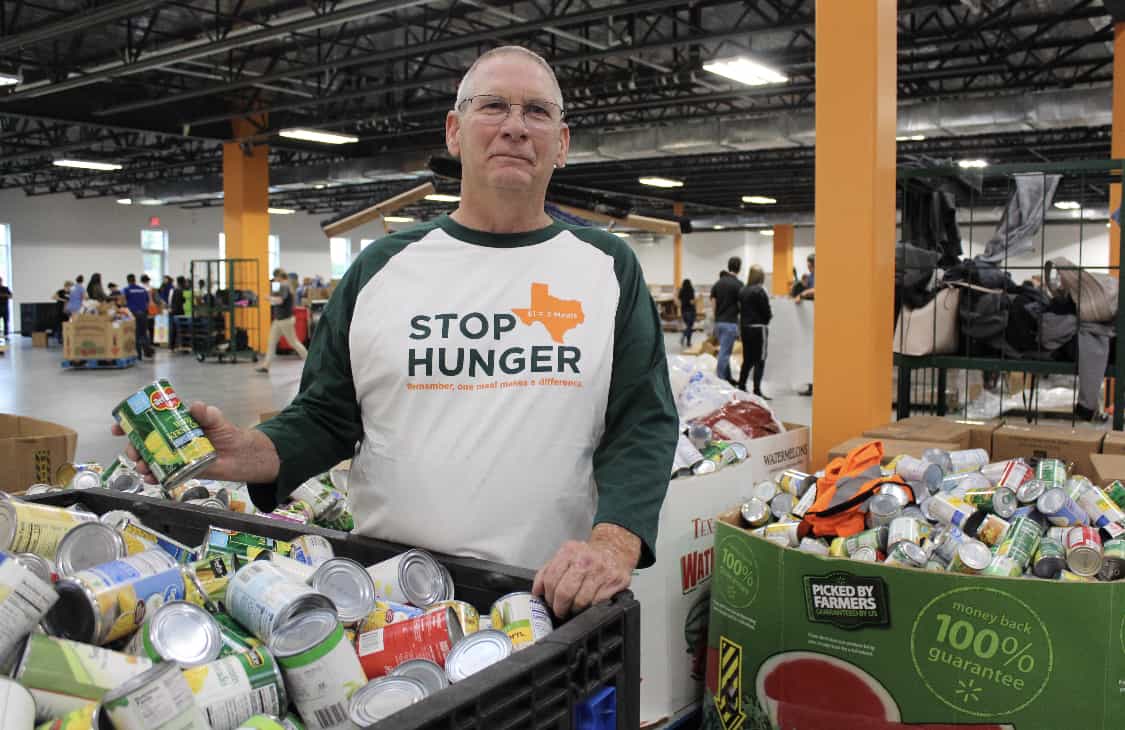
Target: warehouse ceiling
[157, 87]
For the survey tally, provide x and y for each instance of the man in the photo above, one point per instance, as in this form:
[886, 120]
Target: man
[809, 290]
[5, 297]
[724, 296]
[75, 296]
[504, 374]
[283, 323]
[137, 300]
[153, 310]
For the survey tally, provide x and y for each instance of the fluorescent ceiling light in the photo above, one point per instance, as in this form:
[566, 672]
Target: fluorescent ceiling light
[443, 198]
[766, 231]
[316, 135]
[88, 165]
[125, 201]
[911, 138]
[971, 164]
[281, 211]
[398, 219]
[620, 234]
[1068, 204]
[717, 228]
[8, 78]
[660, 182]
[320, 187]
[759, 200]
[745, 71]
[151, 201]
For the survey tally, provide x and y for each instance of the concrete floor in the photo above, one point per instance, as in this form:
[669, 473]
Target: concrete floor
[32, 383]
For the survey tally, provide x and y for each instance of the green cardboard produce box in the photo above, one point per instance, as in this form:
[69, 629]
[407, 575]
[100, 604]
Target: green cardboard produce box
[802, 642]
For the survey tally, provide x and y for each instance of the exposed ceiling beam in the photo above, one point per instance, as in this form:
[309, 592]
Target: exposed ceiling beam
[76, 23]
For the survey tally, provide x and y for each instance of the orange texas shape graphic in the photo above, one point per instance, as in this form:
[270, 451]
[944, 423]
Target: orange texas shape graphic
[559, 316]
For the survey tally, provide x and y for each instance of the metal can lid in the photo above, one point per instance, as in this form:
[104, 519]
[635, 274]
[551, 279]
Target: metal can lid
[913, 553]
[422, 579]
[126, 481]
[86, 480]
[37, 564]
[209, 502]
[884, 505]
[425, 671]
[864, 554]
[897, 491]
[302, 632]
[755, 511]
[150, 675]
[349, 586]
[476, 652]
[184, 633]
[974, 554]
[764, 491]
[1051, 501]
[87, 545]
[1004, 502]
[1031, 490]
[781, 504]
[117, 518]
[381, 698]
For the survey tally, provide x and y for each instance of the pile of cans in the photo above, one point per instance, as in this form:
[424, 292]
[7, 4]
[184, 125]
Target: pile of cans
[1029, 518]
[698, 452]
[111, 625]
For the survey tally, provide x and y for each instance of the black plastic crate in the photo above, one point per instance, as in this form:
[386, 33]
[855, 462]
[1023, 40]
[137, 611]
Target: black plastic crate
[538, 688]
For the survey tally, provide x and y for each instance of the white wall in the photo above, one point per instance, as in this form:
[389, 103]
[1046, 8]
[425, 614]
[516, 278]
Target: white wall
[57, 237]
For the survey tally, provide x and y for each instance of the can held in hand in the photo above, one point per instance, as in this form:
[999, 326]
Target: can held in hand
[413, 577]
[320, 667]
[233, 688]
[26, 527]
[524, 617]
[261, 597]
[163, 432]
[430, 636]
[159, 698]
[1084, 550]
[112, 600]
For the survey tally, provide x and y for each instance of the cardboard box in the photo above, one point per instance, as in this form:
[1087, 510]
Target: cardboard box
[1107, 467]
[1072, 445]
[924, 428]
[38, 339]
[810, 642]
[95, 337]
[893, 447]
[32, 450]
[675, 592]
[980, 432]
[1114, 442]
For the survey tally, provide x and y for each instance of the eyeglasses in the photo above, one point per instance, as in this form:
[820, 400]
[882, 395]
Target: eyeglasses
[492, 109]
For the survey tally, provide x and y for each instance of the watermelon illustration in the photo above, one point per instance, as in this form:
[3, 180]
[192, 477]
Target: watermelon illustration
[803, 690]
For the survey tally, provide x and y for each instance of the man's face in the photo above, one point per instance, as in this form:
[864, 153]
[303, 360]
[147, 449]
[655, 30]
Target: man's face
[510, 155]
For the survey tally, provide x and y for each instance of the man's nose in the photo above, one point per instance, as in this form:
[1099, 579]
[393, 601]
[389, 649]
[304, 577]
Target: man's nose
[514, 125]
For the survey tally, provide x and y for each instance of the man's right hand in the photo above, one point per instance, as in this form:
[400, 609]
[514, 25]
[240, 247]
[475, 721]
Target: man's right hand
[245, 455]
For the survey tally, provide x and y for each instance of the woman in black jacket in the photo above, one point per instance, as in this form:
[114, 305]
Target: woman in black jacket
[94, 289]
[755, 316]
[687, 311]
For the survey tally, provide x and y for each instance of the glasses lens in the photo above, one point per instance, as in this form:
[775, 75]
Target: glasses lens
[491, 106]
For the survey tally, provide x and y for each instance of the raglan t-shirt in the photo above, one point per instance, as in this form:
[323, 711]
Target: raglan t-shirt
[508, 391]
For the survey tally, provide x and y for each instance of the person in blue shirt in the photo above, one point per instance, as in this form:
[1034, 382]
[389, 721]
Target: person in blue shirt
[137, 299]
[75, 296]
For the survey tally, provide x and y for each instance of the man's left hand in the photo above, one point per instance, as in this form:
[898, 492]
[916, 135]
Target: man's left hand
[584, 573]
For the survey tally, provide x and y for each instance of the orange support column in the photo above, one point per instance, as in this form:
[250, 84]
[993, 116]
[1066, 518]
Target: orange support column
[782, 259]
[856, 97]
[246, 223]
[1117, 139]
[678, 249]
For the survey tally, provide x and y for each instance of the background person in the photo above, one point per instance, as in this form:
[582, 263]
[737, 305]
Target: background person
[95, 290]
[755, 316]
[5, 299]
[687, 311]
[725, 296]
[137, 299]
[282, 321]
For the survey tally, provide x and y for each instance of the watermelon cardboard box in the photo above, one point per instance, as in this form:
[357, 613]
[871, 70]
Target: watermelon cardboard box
[803, 642]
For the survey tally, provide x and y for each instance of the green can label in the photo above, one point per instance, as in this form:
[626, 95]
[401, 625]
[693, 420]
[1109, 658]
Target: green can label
[1051, 470]
[1050, 548]
[1116, 492]
[160, 428]
[1114, 549]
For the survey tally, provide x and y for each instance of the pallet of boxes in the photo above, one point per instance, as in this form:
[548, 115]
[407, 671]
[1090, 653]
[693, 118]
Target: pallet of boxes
[729, 442]
[99, 334]
[930, 584]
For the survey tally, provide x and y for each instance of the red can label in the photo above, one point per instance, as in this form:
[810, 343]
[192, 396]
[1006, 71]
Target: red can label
[1015, 474]
[424, 637]
[1083, 536]
[165, 399]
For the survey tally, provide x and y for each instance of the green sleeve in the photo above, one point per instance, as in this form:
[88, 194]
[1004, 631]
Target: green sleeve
[322, 425]
[633, 462]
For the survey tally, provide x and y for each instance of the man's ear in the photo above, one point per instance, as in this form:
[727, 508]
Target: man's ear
[564, 145]
[453, 134]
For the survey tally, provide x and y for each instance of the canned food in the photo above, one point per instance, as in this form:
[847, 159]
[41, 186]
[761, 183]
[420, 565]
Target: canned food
[1060, 509]
[945, 542]
[91, 544]
[1076, 485]
[1003, 567]
[477, 652]
[1116, 492]
[524, 617]
[262, 722]
[783, 533]
[320, 668]
[1004, 503]
[213, 575]
[181, 633]
[814, 546]
[906, 555]
[794, 482]
[297, 571]
[429, 673]
[466, 614]
[1083, 550]
[233, 688]
[968, 459]
[413, 577]
[1113, 561]
[1067, 576]
[865, 555]
[904, 495]
[65, 676]
[992, 530]
[970, 557]
[1051, 471]
[160, 428]
[262, 598]
[1050, 558]
[311, 550]
[86, 480]
[42, 568]
[381, 698]
[186, 491]
[117, 518]
[805, 503]
[993, 470]
[782, 505]
[934, 564]
[1030, 491]
[25, 598]
[882, 509]
[1100, 509]
[180, 552]
[160, 697]
[323, 501]
[243, 544]
[1015, 474]
[349, 587]
[906, 529]
[111, 600]
[81, 719]
[208, 502]
[755, 512]
[16, 705]
[918, 470]
[965, 481]
[236, 640]
[430, 636]
[35, 528]
[35, 489]
[387, 613]
[946, 508]
[764, 491]
[875, 538]
[1021, 541]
